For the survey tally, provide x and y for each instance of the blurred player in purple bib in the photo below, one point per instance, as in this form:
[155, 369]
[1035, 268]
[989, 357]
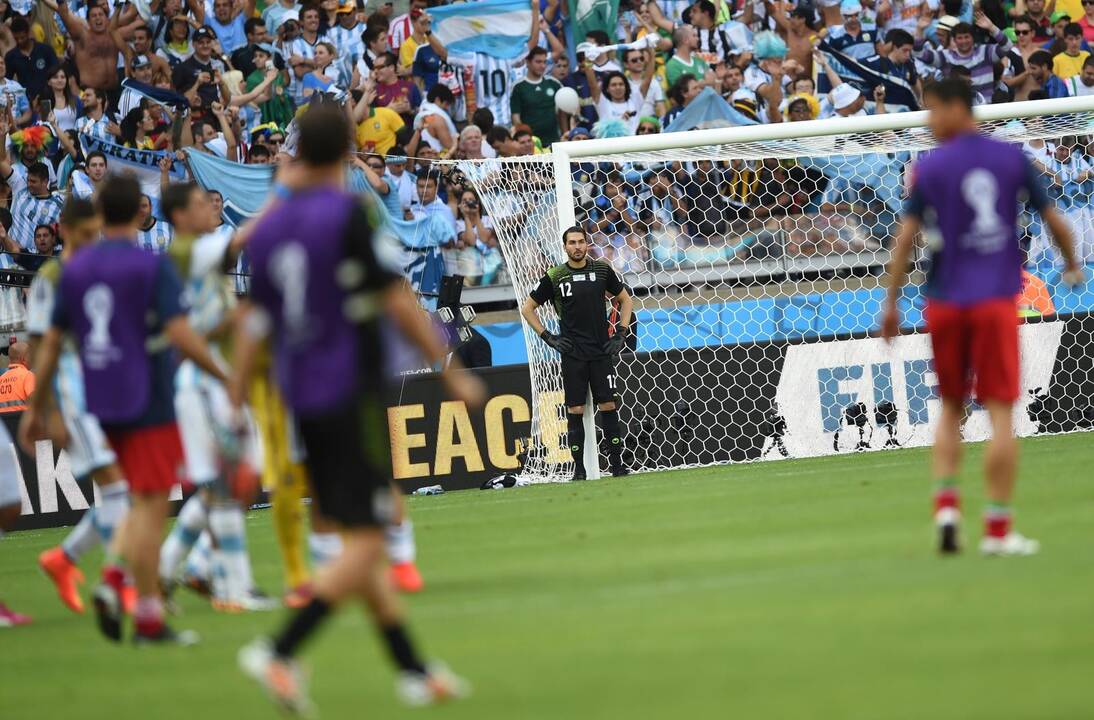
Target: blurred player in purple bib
[321, 293]
[965, 195]
[122, 306]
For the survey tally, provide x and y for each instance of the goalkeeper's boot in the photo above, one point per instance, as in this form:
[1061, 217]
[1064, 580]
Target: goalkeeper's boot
[438, 685]
[283, 680]
[946, 520]
[65, 576]
[1012, 545]
[406, 578]
[579, 475]
[618, 469]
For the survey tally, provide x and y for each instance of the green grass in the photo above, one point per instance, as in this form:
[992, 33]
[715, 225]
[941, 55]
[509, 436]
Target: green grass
[800, 589]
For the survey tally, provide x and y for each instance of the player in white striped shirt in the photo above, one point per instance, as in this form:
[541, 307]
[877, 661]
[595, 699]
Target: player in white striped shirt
[153, 235]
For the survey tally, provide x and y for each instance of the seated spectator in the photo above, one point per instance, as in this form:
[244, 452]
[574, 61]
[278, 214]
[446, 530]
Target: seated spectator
[525, 141]
[29, 60]
[853, 37]
[475, 238]
[21, 112]
[227, 22]
[1083, 83]
[1040, 69]
[399, 94]
[648, 125]
[137, 127]
[686, 89]
[469, 146]
[324, 74]
[802, 107]
[177, 47]
[434, 122]
[685, 58]
[1069, 63]
[980, 59]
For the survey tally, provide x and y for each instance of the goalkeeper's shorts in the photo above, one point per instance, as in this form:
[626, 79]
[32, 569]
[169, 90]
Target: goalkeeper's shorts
[580, 375]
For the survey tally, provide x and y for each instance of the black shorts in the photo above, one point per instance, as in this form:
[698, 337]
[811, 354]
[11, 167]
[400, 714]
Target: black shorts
[349, 460]
[579, 375]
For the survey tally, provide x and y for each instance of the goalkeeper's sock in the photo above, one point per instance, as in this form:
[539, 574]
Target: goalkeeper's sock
[575, 432]
[402, 649]
[609, 421]
[288, 521]
[192, 520]
[997, 520]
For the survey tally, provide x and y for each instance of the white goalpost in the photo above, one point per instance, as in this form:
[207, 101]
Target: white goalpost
[755, 256]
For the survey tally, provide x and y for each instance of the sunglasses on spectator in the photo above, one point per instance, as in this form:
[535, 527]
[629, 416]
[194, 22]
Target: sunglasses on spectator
[378, 167]
[379, 66]
[275, 140]
[646, 130]
[1029, 32]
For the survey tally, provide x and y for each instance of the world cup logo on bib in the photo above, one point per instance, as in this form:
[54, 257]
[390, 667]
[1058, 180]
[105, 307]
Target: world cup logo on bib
[99, 309]
[980, 191]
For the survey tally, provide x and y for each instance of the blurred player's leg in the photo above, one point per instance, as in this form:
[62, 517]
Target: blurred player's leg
[945, 464]
[996, 364]
[10, 507]
[192, 520]
[401, 548]
[286, 481]
[88, 452]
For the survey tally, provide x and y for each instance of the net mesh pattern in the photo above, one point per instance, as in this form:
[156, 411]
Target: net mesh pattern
[757, 270]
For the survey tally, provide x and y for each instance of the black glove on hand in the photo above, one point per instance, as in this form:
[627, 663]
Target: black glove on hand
[617, 342]
[557, 342]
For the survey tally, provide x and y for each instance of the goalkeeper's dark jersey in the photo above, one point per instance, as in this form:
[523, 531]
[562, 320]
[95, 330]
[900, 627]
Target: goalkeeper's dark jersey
[578, 296]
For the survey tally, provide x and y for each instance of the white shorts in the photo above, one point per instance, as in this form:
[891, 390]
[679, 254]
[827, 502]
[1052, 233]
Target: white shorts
[88, 449]
[9, 471]
[204, 413]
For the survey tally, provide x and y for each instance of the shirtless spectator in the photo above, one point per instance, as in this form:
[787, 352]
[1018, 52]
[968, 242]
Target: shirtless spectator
[96, 49]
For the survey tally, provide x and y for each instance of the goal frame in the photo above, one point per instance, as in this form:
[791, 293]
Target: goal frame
[563, 153]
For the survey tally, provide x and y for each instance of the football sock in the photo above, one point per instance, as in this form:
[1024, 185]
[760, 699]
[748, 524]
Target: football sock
[192, 520]
[324, 547]
[401, 649]
[302, 624]
[82, 538]
[997, 519]
[400, 542]
[227, 525]
[609, 421]
[199, 563]
[946, 495]
[114, 576]
[113, 505]
[575, 426]
[148, 616]
[288, 522]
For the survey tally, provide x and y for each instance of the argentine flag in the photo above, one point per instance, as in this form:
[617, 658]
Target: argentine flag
[498, 28]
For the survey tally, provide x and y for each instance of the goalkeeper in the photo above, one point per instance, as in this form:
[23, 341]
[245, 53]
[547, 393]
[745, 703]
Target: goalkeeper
[578, 289]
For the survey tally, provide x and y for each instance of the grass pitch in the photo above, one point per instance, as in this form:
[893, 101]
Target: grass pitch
[799, 589]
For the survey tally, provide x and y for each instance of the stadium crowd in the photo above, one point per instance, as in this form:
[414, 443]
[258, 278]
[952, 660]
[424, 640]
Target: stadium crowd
[227, 77]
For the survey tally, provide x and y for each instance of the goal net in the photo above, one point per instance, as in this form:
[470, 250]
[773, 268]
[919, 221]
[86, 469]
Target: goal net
[755, 256]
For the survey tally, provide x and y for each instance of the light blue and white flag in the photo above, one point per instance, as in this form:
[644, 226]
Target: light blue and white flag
[145, 164]
[708, 110]
[243, 187]
[498, 28]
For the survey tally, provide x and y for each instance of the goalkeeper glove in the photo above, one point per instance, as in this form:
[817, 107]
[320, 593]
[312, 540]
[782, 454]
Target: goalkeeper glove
[557, 342]
[617, 342]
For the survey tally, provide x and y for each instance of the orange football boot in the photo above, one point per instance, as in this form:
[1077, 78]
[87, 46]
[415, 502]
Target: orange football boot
[65, 576]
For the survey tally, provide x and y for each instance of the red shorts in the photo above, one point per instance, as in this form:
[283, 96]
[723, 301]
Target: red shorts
[975, 347]
[150, 457]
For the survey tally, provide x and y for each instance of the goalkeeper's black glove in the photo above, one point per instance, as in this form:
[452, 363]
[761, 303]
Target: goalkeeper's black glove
[618, 341]
[557, 342]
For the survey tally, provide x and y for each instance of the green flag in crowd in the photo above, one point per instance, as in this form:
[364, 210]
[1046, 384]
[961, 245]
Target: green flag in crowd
[586, 15]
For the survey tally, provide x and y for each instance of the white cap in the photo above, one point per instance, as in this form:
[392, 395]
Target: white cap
[742, 93]
[843, 95]
[850, 7]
